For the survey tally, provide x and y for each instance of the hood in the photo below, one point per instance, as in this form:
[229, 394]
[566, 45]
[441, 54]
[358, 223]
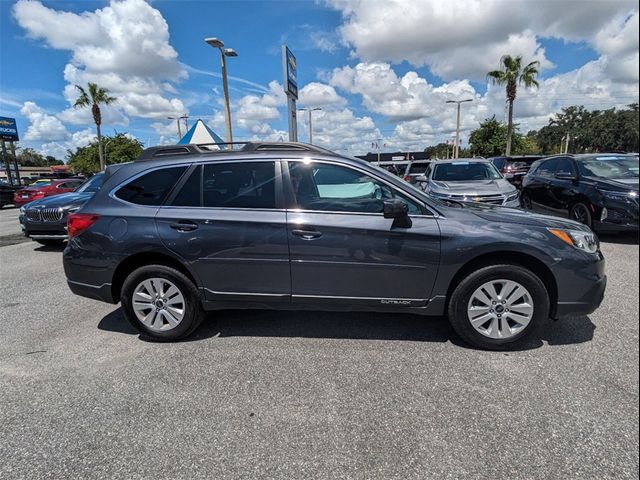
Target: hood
[474, 187]
[64, 200]
[498, 214]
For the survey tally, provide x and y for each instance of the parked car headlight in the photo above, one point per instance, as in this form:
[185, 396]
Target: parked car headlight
[513, 196]
[585, 241]
[620, 196]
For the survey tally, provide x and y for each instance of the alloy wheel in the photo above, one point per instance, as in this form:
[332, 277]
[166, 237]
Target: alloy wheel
[580, 214]
[500, 309]
[159, 304]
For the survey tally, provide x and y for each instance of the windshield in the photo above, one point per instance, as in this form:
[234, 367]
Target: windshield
[609, 167]
[465, 171]
[93, 184]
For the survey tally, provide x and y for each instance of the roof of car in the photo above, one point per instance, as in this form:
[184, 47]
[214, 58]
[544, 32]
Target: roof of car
[248, 150]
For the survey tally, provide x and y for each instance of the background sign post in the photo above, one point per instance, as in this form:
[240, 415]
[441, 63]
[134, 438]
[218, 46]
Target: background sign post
[290, 77]
[9, 132]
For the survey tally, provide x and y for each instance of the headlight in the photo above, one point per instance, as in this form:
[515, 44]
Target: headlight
[585, 241]
[513, 196]
[620, 196]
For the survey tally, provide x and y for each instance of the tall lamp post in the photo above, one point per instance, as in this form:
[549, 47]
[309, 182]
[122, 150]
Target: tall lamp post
[456, 148]
[224, 53]
[310, 121]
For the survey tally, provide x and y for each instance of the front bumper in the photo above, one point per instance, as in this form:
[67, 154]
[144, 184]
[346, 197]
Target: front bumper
[43, 230]
[581, 282]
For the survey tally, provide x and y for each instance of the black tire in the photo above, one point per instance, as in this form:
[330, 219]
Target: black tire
[525, 202]
[459, 301]
[580, 213]
[193, 311]
[50, 243]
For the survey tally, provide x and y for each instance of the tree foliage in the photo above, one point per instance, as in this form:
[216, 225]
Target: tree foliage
[610, 130]
[512, 74]
[119, 148]
[490, 140]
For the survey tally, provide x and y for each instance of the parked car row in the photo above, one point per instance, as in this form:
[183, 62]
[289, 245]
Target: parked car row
[598, 190]
[45, 220]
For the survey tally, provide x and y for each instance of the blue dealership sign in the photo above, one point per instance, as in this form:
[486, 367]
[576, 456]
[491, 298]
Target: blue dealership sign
[8, 129]
[291, 73]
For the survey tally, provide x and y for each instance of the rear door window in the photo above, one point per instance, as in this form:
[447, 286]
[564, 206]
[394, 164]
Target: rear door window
[239, 185]
[190, 194]
[151, 188]
[548, 168]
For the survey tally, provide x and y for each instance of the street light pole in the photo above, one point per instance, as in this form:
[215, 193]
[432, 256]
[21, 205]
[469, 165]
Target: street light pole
[224, 53]
[177, 119]
[310, 121]
[456, 148]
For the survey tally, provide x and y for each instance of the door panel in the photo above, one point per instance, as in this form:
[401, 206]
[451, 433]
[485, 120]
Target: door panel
[361, 256]
[234, 238]
[234, 252]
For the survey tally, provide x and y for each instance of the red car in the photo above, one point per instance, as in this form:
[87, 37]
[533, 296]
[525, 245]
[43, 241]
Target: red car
[36, 192]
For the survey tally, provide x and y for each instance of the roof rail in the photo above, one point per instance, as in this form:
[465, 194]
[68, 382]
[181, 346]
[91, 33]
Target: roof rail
[154, 153]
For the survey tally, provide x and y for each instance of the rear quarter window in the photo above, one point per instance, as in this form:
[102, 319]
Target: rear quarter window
[151, 188]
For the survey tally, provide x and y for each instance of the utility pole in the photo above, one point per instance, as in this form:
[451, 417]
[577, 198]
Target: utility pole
[310, 121]
[378, 141]
[456, 149]
[177, 119]
[224, 53]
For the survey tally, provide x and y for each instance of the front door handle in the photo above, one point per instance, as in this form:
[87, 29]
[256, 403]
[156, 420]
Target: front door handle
[184, 226]
[307, 234]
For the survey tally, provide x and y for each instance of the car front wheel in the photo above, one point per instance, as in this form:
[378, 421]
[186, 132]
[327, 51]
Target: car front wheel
[161, 302]
[498, 307]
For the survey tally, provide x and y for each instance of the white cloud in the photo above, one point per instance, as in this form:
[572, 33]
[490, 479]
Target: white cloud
[123, 47]
[465, 38]
[43, 127]
[59, 149]
[316, 94]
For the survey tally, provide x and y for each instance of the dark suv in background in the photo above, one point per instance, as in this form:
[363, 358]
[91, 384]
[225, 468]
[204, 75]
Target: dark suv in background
[290, 226]
[514, 168]
[599, 190]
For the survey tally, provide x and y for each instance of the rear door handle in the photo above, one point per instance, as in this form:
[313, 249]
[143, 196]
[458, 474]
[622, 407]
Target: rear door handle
[307, 234]
[184, 226]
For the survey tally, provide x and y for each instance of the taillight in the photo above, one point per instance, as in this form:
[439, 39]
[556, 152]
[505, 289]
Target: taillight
[79, 222]
[407, 178]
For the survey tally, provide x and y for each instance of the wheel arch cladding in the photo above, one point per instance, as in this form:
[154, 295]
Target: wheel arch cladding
[527, 261]
[143, 259]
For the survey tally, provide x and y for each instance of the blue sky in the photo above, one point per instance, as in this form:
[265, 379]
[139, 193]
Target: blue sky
[377, 69]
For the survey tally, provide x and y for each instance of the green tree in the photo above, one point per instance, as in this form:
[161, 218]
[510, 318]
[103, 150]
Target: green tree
[511, 75]
[437, 151]
[120, 148]
[28, 157]
[93, 98]
[51, 160]
[490, 139]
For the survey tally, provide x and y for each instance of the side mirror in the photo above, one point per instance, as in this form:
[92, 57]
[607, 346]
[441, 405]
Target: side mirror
[399, 211]
[421, 178]
[565, 176]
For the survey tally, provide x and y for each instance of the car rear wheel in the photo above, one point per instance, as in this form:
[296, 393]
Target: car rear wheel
[498, 307]
[161, 303]
[580, 213]
[525, 201]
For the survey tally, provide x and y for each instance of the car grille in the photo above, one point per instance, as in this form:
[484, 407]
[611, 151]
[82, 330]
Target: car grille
[492, 199]
[45, 215]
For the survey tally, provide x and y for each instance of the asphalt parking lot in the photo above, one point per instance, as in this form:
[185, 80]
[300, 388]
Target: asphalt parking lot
[307, 395]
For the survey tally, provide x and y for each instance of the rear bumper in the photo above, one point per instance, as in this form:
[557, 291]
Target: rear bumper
[96, 292]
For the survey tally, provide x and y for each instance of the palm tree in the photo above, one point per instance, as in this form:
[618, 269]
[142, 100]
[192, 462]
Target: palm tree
[512, 75]
[93, 99]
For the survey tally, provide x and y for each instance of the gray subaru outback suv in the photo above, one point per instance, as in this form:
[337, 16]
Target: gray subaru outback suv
[184, 230]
